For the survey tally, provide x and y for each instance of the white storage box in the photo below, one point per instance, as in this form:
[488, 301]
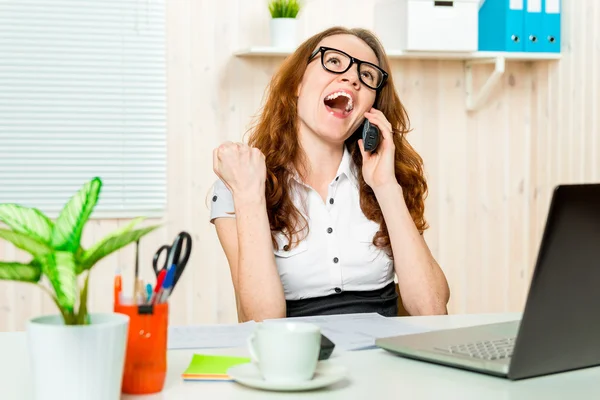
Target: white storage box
[427, 25]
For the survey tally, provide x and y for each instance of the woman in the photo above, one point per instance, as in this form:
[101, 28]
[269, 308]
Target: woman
[309, 221]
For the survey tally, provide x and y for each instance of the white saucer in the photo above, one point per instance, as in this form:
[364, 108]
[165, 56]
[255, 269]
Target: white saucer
[325, 375]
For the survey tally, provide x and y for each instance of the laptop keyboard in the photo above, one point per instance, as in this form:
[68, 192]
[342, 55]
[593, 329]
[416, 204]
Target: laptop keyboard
[485, 350]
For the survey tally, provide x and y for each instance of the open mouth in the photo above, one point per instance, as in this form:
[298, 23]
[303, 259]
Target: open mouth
[339, 103]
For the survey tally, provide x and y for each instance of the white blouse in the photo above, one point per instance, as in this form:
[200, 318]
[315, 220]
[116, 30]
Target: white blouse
[338, 254]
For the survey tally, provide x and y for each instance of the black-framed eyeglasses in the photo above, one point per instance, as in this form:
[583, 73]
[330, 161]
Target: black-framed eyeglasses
[338, 62]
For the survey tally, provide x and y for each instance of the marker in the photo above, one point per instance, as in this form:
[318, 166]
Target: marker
[159, 281]
[148, 292]
[117, 286]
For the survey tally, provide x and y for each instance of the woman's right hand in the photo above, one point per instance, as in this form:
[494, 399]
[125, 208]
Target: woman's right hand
[241, 168]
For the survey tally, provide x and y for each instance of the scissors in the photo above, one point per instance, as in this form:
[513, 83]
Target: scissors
[177, 256]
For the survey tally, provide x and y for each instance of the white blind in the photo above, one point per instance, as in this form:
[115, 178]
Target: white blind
[83, 94]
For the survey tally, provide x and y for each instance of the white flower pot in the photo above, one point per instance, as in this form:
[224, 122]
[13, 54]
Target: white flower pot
[77, 362]
[284, 33]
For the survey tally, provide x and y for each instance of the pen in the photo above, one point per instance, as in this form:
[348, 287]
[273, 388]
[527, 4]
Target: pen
[140, 292]
[165, 290]
[138, 285]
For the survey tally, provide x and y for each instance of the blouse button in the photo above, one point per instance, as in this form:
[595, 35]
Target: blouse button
[214, 198]
[330, 201]
[329, 230]
[286, 247]
[337, 178]
[338, 290]
[335, 260]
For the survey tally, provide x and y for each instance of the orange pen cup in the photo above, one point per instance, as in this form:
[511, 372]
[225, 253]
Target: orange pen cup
[146, 356]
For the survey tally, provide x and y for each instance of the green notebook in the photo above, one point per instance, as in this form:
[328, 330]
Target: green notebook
[205, 367]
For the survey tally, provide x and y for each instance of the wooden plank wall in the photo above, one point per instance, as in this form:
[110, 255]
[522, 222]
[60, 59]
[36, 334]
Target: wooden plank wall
[491, 172]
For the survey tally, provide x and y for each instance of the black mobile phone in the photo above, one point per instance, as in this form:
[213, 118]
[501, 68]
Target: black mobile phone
[327, 347]
[369, 135]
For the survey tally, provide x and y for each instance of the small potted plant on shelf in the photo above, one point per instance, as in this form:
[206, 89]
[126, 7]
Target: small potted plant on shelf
[74, 354]
[284, 23]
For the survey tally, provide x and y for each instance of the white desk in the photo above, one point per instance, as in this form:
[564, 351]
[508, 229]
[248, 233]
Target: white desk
[373, 375]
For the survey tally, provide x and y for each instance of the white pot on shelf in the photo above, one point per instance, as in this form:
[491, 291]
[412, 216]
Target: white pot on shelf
[74, 362]
[284, 32]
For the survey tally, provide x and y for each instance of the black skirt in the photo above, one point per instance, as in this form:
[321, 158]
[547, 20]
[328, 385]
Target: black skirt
[383, 301]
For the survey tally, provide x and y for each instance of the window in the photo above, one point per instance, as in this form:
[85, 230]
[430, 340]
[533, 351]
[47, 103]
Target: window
[83, 94]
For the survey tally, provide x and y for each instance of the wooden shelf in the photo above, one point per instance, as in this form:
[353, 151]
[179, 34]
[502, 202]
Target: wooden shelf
[265, 51]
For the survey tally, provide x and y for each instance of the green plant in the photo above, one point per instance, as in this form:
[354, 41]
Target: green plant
[284, 8]
[55, 247]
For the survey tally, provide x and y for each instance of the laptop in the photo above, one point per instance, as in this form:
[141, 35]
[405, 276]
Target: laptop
[559, 329]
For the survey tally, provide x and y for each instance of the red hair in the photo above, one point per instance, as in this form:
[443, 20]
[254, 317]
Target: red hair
[275, 133]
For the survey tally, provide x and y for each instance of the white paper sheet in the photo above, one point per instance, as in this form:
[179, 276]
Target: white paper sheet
[209, 336]
[359, 331]
[348, 332]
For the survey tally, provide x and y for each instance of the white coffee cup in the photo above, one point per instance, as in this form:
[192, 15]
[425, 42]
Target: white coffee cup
[285, 352]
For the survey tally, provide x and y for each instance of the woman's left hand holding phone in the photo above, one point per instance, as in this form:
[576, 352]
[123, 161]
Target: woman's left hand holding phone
[378, 167]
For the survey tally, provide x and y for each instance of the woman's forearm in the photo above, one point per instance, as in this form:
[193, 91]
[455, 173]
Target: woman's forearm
[422, 283]
[259, 286]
